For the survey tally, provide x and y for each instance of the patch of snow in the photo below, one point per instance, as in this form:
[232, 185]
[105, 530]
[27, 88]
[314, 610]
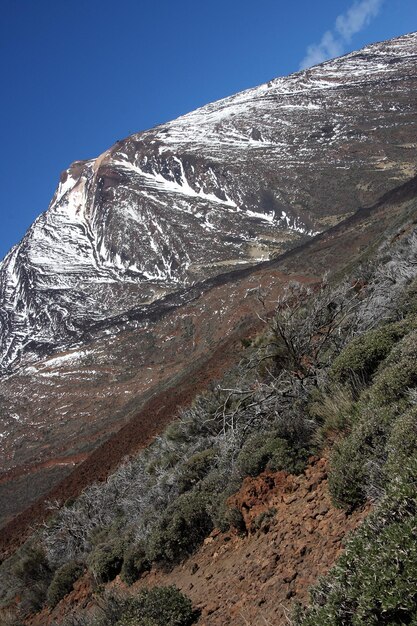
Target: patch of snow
[268, 217]
[65, 359]
[64, 187]
[160, 183]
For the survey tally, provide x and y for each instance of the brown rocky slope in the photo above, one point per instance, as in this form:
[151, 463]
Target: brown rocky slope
[293, 535]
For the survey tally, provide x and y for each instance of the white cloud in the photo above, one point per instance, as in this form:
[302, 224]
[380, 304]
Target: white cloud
[328, 47]
[357, 17]
[333, 42]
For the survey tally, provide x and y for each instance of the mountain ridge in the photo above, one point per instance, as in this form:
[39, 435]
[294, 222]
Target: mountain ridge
[228, 184]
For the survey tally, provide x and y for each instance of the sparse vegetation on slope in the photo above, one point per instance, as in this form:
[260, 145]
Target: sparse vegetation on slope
[159, 606]
[63, 581]
[374, 582]
[337, 365]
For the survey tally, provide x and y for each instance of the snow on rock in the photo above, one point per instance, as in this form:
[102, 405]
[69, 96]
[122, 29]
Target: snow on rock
[165, 208]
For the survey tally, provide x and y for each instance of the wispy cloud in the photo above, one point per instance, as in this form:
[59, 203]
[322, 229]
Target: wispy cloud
[334, 41]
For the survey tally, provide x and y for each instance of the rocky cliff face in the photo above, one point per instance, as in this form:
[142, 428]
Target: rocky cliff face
[232, 183]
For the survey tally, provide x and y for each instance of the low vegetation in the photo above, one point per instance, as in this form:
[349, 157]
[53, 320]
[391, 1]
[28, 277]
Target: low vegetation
[159, 606]
[335, 368]
[63, 582]
[374, 581]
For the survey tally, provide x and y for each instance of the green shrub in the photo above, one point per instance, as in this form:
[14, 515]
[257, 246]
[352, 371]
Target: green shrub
[334, 410]
[233, 518]
[182, 527]
[106, 560]
[374, 582]
[134, 619]
[357, 460]
[159, 606]
[264, 520]
[195, 469]
[267, 451]
[407, 304]
[347, 475]
[402, 443]
[361, 464]
[32, 575]
[392, 384]
[63, 581]
[176, 433]
[224, 517]
[135, 563]
[285, 457]
[361, 357]
[32, 564]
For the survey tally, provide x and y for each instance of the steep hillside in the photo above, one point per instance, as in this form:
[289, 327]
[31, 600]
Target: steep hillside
[228, 503]
[98, 392]
[207, 349]
[293, 535]
[118, 293]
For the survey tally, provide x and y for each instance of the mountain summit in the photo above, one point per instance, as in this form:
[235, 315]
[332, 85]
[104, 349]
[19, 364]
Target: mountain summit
[232, 183]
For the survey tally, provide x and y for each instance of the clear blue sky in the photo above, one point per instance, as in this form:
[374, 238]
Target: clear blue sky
[77, 75]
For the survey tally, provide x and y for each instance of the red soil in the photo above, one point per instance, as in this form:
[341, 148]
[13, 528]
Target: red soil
[253, 579]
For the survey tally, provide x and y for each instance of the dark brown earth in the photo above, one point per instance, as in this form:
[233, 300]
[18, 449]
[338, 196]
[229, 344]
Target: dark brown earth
[205, 333]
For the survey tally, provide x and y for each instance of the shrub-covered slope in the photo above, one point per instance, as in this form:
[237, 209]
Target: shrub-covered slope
[374, 582]
[335, 367]
[109, 297]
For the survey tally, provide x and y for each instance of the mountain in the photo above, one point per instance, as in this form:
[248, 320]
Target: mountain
[148, 268]
[209, 367]
[232, 183]
[227, 503]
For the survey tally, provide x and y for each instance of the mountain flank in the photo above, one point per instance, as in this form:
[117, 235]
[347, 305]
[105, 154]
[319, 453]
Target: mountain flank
[193, 357]
[143, 263]
[293, 534]
[232, 183]
[228, 503]
[208, 366]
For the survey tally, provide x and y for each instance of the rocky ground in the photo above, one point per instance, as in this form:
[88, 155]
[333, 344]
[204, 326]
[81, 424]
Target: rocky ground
[294, 535]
